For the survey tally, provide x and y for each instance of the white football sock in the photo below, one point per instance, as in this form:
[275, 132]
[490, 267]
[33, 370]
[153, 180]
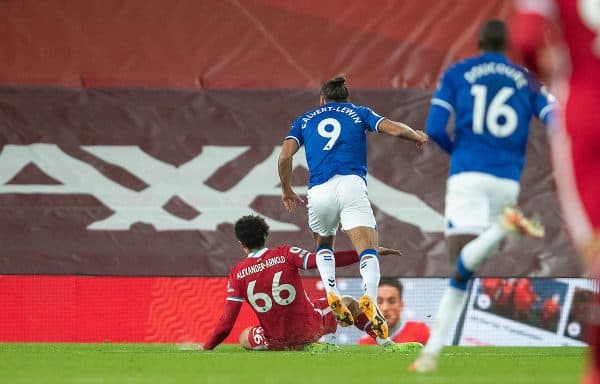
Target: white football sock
[450, 307]
[326, 267]
[369, 270]
[478, 249]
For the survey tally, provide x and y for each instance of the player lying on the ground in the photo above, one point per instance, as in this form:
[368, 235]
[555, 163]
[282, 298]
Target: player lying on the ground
[269, 280]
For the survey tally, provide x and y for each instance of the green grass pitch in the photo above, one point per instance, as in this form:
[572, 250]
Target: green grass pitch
[166, 363]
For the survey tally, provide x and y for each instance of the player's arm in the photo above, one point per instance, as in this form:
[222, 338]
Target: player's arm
[441, 108]
[225, 324]
[377, 123]
[233, 304]
[343, 258]
[290, 199]
[403, 131]
[437, 119]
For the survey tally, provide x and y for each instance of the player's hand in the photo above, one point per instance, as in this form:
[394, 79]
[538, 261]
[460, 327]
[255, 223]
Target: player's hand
[383, 251]
[291, 200]
[422, 138]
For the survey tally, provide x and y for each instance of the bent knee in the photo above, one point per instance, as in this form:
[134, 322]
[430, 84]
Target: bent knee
[244, 342]
[253, 338]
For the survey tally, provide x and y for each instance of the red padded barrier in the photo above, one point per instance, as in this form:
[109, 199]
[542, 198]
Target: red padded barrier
[113, 309]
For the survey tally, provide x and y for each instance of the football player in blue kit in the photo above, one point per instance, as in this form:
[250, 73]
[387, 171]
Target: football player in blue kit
[493, 101]
[334, 136]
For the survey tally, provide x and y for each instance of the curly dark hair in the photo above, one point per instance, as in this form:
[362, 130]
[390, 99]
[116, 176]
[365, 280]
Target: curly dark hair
[252, 231]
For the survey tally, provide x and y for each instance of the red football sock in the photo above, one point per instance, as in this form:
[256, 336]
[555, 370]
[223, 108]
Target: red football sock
[362, 322]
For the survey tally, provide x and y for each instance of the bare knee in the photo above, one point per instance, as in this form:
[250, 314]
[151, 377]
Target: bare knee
[244, 339]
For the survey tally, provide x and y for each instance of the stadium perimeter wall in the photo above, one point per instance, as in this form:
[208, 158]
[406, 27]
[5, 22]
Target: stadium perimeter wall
[134, 134]
[526, 312]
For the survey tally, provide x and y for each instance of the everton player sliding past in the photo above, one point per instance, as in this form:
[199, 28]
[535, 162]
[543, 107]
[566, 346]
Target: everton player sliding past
[334, 137]
[268, 279]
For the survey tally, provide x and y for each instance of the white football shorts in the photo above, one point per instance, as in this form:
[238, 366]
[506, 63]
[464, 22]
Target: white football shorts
[342, 199]
[474, 200]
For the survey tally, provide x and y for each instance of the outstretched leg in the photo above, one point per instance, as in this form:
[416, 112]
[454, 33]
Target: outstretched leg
[468, 261]
[362, 322]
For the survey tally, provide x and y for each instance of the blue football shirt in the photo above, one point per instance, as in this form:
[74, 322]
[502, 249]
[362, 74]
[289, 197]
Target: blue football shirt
[334, 139]
[493, 101]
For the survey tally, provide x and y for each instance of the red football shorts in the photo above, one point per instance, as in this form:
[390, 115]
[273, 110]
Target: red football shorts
[319, 323]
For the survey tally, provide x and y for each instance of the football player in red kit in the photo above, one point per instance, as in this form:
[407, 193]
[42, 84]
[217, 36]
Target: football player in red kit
[560, 39]
[269, 280]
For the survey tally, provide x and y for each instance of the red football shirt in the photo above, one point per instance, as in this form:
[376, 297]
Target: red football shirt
[581, 31]
[269, 280]
[577, 165]
[579, 24]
